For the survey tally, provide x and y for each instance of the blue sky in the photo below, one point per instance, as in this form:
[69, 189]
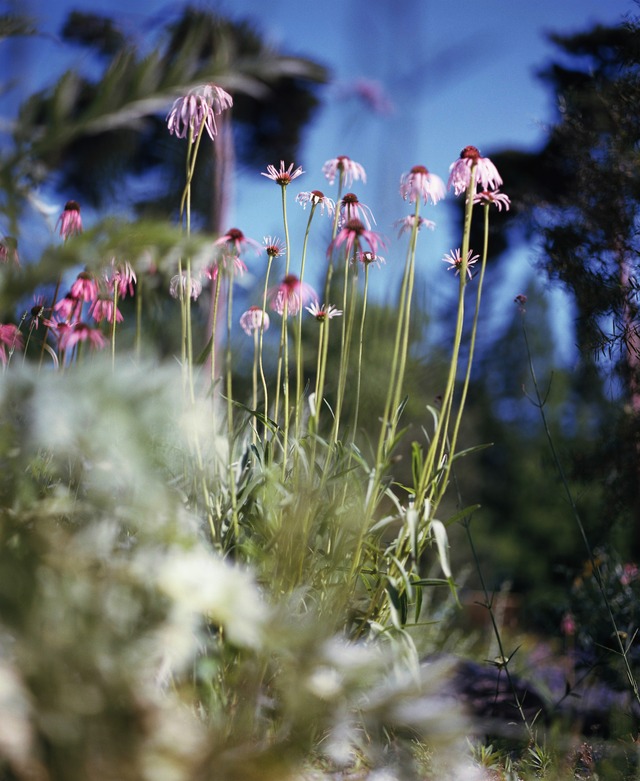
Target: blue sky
[455, 72]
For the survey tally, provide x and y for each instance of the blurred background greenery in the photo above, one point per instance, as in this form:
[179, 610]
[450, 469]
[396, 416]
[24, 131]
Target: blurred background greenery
[101, 135]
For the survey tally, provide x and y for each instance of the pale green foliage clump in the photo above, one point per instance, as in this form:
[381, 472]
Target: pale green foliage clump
[129, 648]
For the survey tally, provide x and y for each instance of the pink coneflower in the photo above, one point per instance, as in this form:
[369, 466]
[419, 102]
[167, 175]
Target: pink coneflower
[102, 309]
[235, 241]
[68, 308]
[353, 209]
[9, 250]
[629, 573]
[353, 233]
[226, 263]
[81, 332]
[369, 258]
[520, 300]
[85, 288]
[122, 274]
[371, 93]
[274, 247]
[70, 221]
[568, 625]
[10, 340]
[57, 328]
[37, 310]
[406, 224]
[179, 284]
[487, 197]
[253, 319]
[317, 198]
[198, 109]
[291, 291]
[350, 170]
[487, 175]
[454, 259]
[420, 184]
[281, 176]
[324, 312]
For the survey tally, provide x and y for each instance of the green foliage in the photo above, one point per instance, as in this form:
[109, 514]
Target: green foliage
[195, 587]
[130, 645]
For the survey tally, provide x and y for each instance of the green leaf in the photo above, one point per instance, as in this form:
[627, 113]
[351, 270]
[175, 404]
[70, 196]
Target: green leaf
[439, 532]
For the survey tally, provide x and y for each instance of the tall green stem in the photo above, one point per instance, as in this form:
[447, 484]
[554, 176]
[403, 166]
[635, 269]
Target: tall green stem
[334, 231]
[387, 429]
[438, 446]
[349, 300]
[299, 356]
[214, 329]
[472, 342]
[185, 308]
[360, 349]
[265, 389]
[228, 367]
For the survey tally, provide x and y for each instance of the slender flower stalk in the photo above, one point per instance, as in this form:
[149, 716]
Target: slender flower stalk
[363, 316]
[274, 249]
[120, 280]
[284, 177]
[192, 130]
[442, 485]
[228, 264]
[254, 322]
[439, 452]
[230, 432]
[299, 357]
[398, 361]
[347, 171]
[188, 116]
[322, 314]
[417, 186]
[287, 298]
[349, 301]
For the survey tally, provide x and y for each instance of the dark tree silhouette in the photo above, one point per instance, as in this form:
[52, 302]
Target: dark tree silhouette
[95, 135]
[577, 199]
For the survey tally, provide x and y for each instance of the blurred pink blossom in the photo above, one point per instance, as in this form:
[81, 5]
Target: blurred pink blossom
[487, 176]
[70, 221]
[421, 184]
[292, 292]
[254, 319]
[349, 169]
[198, 109]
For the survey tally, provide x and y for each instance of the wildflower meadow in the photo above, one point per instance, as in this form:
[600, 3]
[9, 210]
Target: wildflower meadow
[225, 555]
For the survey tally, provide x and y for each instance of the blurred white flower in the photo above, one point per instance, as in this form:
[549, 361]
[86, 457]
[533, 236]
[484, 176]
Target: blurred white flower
[199, 582]
[16, 734]
[325, 682]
